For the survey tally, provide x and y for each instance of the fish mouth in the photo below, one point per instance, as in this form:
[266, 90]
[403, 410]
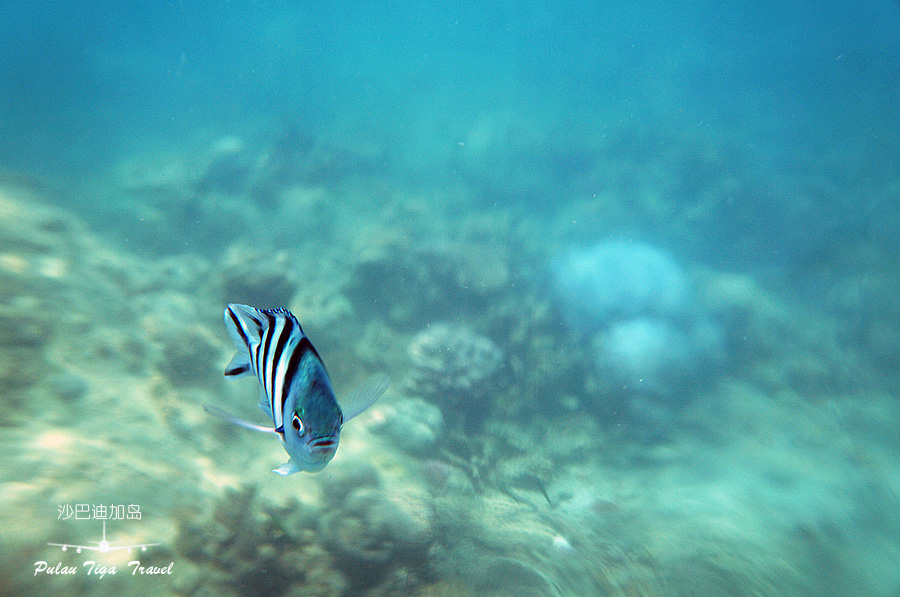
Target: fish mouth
[323, 445]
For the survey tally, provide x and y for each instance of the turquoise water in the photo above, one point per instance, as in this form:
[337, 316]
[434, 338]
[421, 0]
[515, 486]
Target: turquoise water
[631, 269]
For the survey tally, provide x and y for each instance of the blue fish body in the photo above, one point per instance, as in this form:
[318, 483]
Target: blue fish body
[295, 390]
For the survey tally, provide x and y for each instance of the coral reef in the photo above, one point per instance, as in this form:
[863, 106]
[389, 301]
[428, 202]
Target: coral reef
[454, 278]
[649, 339]
[256, 277]
[782, 345]
[508, 576]
[413, 425]
[365, 540]
[645, 355]
[497, 465]
[373, 531]
[618, 280]
[378, 535]
[452, 362]
[455, 368]
[248, 547]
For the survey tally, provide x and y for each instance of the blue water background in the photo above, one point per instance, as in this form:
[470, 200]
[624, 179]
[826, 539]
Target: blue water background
[808, 88]
[799, 102]
[83, 82]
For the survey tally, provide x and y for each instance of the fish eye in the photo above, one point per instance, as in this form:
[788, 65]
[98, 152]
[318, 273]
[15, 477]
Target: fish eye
[297, 423]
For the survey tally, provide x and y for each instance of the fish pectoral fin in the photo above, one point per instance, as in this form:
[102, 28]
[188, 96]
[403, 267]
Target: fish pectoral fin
[239, 365]
[217, 412]
[288, 468]
[364, 395]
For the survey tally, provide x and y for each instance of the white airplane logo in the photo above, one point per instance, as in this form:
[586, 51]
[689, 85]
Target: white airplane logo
[103, 546]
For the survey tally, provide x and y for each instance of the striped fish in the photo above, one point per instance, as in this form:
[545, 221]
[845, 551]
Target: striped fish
[295, 390]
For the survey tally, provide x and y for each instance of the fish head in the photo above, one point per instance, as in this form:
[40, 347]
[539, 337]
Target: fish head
[311, 437]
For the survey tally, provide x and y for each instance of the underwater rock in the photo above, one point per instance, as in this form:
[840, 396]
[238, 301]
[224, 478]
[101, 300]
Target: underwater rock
[185, 351]
[413, 425]
[506, 576]
[249, 547]
[445, 281]
[481, 268]
[647, 333]
[511, 553]
[68, 386]
[179, 201]
[457, 369]
[645, 355]
[654, 364]
[345, 476]
[189, 356]
[255, 277]
[19, 369]
[650, 341]
[617, 280]
[779, 344]
[372, 533]
[525, 479]
[39, 249]
[441, 477]
[29, 229]
[23, 326]
[452, 362]
[228, 169]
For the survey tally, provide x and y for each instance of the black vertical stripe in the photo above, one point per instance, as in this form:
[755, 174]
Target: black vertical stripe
[296, 357]
[238, 326]
[262, 346]
[276, 358]
[265, 345]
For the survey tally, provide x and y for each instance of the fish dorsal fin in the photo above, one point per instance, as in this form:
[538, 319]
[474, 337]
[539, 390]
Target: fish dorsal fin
[245, 325]
[278, 311]
[364, 395]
